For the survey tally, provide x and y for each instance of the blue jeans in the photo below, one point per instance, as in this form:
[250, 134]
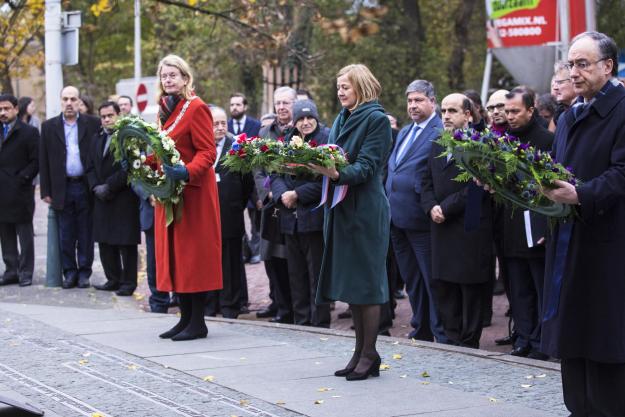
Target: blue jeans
[159, 300]
[76, 232]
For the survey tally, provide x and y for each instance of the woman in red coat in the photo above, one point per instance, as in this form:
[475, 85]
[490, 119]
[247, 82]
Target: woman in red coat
[188, 251]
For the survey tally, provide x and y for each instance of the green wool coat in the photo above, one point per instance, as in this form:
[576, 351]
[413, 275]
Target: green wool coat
[356, 231]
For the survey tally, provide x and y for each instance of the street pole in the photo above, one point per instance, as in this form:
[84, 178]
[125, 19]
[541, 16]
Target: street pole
[565, 35]
[54, 84]
[137, 45]
[53, 69]
[591, 21]
[488, 67]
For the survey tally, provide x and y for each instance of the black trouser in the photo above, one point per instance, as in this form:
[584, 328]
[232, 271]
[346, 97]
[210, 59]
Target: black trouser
[593, 389]
[460, 307]
[305, 251]
[526, 278]
[76, 232]
[278, 273]
[228, 299]
[19, 264]
[120, 264]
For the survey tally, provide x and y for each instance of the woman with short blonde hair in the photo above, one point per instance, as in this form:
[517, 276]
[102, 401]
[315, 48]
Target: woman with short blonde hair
[357, 228]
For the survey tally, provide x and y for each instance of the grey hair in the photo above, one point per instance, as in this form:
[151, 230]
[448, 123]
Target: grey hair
[560, 66]
[607, 47]
[217, 109]
[285, 89]
[421, 86]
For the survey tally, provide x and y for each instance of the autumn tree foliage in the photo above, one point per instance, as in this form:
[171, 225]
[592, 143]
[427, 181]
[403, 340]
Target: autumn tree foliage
[21, 39]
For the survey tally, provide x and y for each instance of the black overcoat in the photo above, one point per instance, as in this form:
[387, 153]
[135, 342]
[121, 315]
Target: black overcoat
[18, 166]
[585, 317]
[115, 220]
[234, 191]
[53, 154]
[457, 255]
[514, 235]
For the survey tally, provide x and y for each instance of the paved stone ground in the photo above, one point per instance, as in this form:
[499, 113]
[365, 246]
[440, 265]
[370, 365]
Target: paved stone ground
[94, 362]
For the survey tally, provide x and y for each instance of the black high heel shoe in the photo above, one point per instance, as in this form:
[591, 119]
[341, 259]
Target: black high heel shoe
[344, 371]
[374, 370]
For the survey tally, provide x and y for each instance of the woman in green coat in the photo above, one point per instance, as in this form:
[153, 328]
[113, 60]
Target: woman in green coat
[356, 231]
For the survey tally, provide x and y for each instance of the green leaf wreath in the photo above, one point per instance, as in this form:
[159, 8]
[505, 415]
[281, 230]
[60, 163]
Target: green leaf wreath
[142, 145]
[516, 171]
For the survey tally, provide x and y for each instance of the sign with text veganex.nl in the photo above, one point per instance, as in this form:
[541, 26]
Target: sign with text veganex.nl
[521, 22]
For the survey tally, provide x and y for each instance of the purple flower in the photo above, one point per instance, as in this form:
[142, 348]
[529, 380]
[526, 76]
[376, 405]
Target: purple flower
[458, 135]
[569, 168]
[524, 146]
[555, 169]
[475, 136]
[235, 146]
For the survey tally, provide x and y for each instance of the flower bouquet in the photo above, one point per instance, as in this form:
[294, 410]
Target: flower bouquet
[271, 155]
[516, 171]
[139, 143]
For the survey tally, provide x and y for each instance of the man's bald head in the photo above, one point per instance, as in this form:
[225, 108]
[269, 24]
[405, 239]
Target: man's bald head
[495, 107]
[70, 101]
[456, 110]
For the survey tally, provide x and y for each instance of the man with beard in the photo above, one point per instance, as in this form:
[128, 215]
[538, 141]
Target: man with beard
[19, 144]
[240, 122]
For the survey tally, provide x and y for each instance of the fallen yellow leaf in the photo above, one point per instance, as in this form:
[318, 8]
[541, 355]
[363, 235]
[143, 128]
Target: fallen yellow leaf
[97, 415]
[133, 367]
[324, 389]
[425, 383]
[397, 356]
[425, 374]
[492, 400]
[385, 367]
[280, 402]
[83, 362]
[138, 297]
[318, 402]
[209, 378]
[244, 402]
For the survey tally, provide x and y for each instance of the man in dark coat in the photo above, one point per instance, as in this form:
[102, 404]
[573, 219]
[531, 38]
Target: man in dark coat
[461, 255]
[274, 253]
[524, 234]
[64, 150]
[585, 272]
[19, 145]
[410, 225]
[301, 224]
[116, 210]
[234, 191]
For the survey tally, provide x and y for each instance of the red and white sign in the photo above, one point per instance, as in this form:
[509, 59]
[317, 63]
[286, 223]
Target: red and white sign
[529, 22]
[142, 97]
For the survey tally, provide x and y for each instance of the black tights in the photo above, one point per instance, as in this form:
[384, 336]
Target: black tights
[366, 319]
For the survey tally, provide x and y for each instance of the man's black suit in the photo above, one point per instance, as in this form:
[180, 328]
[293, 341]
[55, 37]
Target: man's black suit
[251, 127]
[115, 217]
[461, 259]
[70, 195]
[234, 191]
[524, 265]
[18, 167]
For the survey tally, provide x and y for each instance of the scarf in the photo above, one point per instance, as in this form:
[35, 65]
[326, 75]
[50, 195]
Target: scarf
[167, 104]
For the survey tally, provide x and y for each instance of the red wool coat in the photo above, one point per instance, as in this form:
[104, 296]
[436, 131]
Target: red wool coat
[188, 252]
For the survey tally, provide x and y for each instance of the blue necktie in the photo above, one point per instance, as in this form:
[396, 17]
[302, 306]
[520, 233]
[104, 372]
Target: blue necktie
[5, 131]
[404, 149]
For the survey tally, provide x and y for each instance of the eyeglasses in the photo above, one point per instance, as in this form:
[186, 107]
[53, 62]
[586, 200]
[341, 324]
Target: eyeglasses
[283, 103]
[171, 76]
[498, 106]
[582, 64]
[562, 81]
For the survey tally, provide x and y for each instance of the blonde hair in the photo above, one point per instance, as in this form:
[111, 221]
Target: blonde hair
[366, 86]
[185, 71]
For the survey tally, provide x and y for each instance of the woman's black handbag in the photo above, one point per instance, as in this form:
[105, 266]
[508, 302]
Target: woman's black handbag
[270, 224]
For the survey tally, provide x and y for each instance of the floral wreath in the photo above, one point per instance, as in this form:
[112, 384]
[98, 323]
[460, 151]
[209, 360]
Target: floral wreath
[141, 144]
[515, 171]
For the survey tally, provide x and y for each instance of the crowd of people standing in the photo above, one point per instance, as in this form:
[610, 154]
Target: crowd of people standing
[401, 219]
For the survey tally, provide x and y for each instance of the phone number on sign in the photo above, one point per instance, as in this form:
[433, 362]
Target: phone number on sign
[521, 31]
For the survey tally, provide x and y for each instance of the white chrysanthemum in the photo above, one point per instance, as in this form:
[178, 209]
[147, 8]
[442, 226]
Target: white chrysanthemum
[143, 158]
[136, 164]
[174, 159]
[136, 152]
[297, 142]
